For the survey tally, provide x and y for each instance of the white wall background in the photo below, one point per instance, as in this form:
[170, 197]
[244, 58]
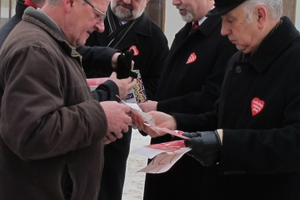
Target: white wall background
[174, 21]
[297, 22]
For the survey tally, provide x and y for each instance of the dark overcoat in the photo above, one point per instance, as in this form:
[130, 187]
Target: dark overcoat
[190, 84]
[259, 110]
[151, 48]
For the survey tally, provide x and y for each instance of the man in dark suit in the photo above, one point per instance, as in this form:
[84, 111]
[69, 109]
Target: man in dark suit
[191, 83]
[249, 145]
[127, 27]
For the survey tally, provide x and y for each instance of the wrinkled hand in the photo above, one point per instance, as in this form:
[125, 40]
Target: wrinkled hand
[124, 85]
[148, 106]
[161, 120]
[125, 65]
[205, 146]
[117, 119]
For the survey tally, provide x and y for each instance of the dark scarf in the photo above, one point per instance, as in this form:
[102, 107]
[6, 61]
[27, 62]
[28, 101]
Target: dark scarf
[117, 31]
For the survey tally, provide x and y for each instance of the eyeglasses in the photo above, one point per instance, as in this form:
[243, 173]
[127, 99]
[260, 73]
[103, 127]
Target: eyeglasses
[100, 15]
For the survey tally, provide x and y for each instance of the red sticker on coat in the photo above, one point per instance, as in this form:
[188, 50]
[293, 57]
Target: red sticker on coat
[135, 50]
[192, 58]
[257, 105]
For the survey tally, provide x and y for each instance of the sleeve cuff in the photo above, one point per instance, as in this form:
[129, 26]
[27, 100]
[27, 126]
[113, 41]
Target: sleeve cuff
[220, 133]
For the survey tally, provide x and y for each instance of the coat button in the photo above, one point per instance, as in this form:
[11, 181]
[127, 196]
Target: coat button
[238, 69]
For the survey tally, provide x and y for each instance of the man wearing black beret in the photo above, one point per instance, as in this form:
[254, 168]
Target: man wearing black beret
[251, 142]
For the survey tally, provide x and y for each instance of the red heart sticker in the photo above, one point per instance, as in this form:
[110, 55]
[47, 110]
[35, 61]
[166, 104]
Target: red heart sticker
[257, 105]
[191, 58]
[135, 50]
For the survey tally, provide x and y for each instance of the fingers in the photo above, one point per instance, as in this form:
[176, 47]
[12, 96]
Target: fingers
[125, 85]
[118, 131]
[137, 121]
[111, 137]
[148, 106]
[152, 133]
[126, 109]
[107, 139]
[114, 136]
[132, 83]
[114, 59]
[117, 118]
[113, 77]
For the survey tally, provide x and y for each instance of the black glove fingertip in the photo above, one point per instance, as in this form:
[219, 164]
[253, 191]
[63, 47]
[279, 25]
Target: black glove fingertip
[133, 74]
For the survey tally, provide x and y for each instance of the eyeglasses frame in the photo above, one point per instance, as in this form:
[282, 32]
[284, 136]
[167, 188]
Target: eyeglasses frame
[100, 16]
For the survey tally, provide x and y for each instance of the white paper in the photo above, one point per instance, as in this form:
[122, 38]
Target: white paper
[137, 110]
[164, 155]
[176, 133]
[164, 161]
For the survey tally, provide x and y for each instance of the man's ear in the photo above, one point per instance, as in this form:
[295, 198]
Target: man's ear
[261, 15]
[68, 5]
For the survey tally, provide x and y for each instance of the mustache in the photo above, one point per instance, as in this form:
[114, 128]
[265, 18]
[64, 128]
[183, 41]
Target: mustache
[181, 7]
[129, 6]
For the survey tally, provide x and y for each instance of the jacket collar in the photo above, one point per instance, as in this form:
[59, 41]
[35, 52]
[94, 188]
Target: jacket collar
[142, 27]
[209, 25]
[206, 28]
[274, 44]
[20, 7]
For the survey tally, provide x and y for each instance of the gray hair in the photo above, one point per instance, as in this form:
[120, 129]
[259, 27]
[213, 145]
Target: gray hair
[273, 6]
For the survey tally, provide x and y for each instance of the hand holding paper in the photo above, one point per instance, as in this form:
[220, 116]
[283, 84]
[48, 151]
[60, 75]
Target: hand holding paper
[161, 120]
[153, 123]
[164, 155]
[138, 116]
[162, 131]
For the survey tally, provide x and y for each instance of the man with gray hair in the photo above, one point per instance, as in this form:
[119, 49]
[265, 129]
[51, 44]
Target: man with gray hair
[105, 56]
[51, 130]
[191, 83]
[251, 142]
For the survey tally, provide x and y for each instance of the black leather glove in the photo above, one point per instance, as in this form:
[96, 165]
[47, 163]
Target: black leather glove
[205, 146]
[123, 68]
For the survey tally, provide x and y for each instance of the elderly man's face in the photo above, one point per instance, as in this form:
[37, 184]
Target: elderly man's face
[87, 16]
[243, 34]
[127, 10]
